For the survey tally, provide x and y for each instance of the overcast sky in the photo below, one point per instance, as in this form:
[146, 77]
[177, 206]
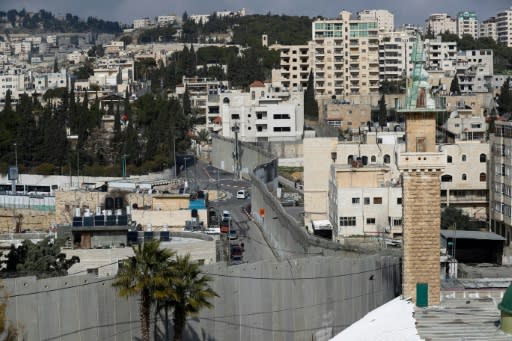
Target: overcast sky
[406, 11]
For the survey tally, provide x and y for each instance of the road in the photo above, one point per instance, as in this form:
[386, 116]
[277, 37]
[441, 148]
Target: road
[208, 177]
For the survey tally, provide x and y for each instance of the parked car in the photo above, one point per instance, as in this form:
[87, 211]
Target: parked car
[233, 235]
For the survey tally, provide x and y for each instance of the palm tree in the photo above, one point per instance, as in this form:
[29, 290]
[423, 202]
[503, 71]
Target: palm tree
[188, 293]
[144, 274]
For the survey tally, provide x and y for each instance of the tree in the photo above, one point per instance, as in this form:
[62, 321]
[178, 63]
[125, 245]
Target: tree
[188, 293]
[310, 103]
[144, 274]
[454, 86]
[43, 259]
[383, 114]
[505, 98]
[454, 217]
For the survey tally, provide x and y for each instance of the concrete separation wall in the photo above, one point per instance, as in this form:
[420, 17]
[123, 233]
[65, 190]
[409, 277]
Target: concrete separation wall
[297, 299]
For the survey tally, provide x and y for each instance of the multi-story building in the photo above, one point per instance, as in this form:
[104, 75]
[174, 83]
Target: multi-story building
[504, 27]
[164, 20]
[394, 55]
[204, 94]
[473, 69]
[141, 23]
[385, 19]
[439, 23]
[488, 29]
[295, 65]
[467, 23]
[500, 180]
[364, 201]
[441, 55]
[346, 56]
[264, 114]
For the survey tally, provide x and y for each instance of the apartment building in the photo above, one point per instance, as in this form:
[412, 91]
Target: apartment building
[473, 69]
[364, 201]
[384, 18]
[440, 55]
[487, 29]
[504, 27]
[141, 23]
[500, 180]
[295, 65]
[467, 23]
[394, 55]
[439, 23]
[377, 150]
[346, 56]
[464, 180]
[164, 20]
[264, 114]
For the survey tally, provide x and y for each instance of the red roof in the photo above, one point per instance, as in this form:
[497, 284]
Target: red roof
[257, 84]
[217, 120]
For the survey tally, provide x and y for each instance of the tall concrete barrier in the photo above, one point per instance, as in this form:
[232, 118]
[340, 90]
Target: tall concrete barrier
[296, 299]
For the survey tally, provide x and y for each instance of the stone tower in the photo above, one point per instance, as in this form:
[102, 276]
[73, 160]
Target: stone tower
[421, 167]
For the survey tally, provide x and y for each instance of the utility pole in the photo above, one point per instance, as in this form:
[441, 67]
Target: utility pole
[236, 162]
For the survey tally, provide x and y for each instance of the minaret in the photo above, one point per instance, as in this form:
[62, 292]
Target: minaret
[421, 167]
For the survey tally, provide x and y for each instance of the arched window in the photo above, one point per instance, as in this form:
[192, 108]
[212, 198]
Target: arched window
[483, 157]
[365, 160]
[374, 159]
[449, 159]
[464, 177]
[350, 159]
[463, 157]
[387, 158]
[225, 100]
[446, 178]
[483, 177]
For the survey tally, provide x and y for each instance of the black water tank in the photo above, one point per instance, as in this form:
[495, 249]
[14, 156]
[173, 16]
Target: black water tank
[119, 203]
[109, 203]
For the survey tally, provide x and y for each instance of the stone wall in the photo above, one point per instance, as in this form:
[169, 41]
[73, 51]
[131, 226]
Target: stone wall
[422, 220]
[31, 219]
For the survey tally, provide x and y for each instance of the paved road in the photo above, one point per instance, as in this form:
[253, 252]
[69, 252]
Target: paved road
[208, 177]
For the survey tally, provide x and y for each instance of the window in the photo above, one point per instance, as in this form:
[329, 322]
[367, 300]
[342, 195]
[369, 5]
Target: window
[365, 160]
[464, 177]
[483, 177]
[374, 159]
[235, 116]
[367, 201]
[350, 159]
[420, 145]
[355, 200]
[260, 115]
[282, 129]
[253, 95]
[387, 158]
[377, 201]
[347, 221]
[463, 157]
[483, 157]
[281, 116]
[446, 178]
[449, 159]
[399, 201]
[370, 221]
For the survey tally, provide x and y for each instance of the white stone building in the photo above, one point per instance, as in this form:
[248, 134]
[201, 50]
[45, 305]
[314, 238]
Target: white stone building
[264, 114]
[295, 65]
[504, 27]
[467, 23]
[141, 23]
[440, 23]
[346, 56]
[394, 55]
[385, 19]
[440, 55]
[487, 29]
[500, 188]
[164, 20]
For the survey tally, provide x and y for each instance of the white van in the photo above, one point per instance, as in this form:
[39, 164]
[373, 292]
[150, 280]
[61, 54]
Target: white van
[241, 194]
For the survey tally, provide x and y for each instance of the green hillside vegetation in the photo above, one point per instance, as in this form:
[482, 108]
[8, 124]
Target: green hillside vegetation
[45, 21]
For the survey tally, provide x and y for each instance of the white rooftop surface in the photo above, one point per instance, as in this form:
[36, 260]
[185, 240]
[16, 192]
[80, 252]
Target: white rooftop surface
[392, 321]
[106, 259]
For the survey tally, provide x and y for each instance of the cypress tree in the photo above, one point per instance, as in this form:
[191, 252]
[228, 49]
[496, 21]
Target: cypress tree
[505, 98]
[310, 103]
[454, 86]
[382, 111]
